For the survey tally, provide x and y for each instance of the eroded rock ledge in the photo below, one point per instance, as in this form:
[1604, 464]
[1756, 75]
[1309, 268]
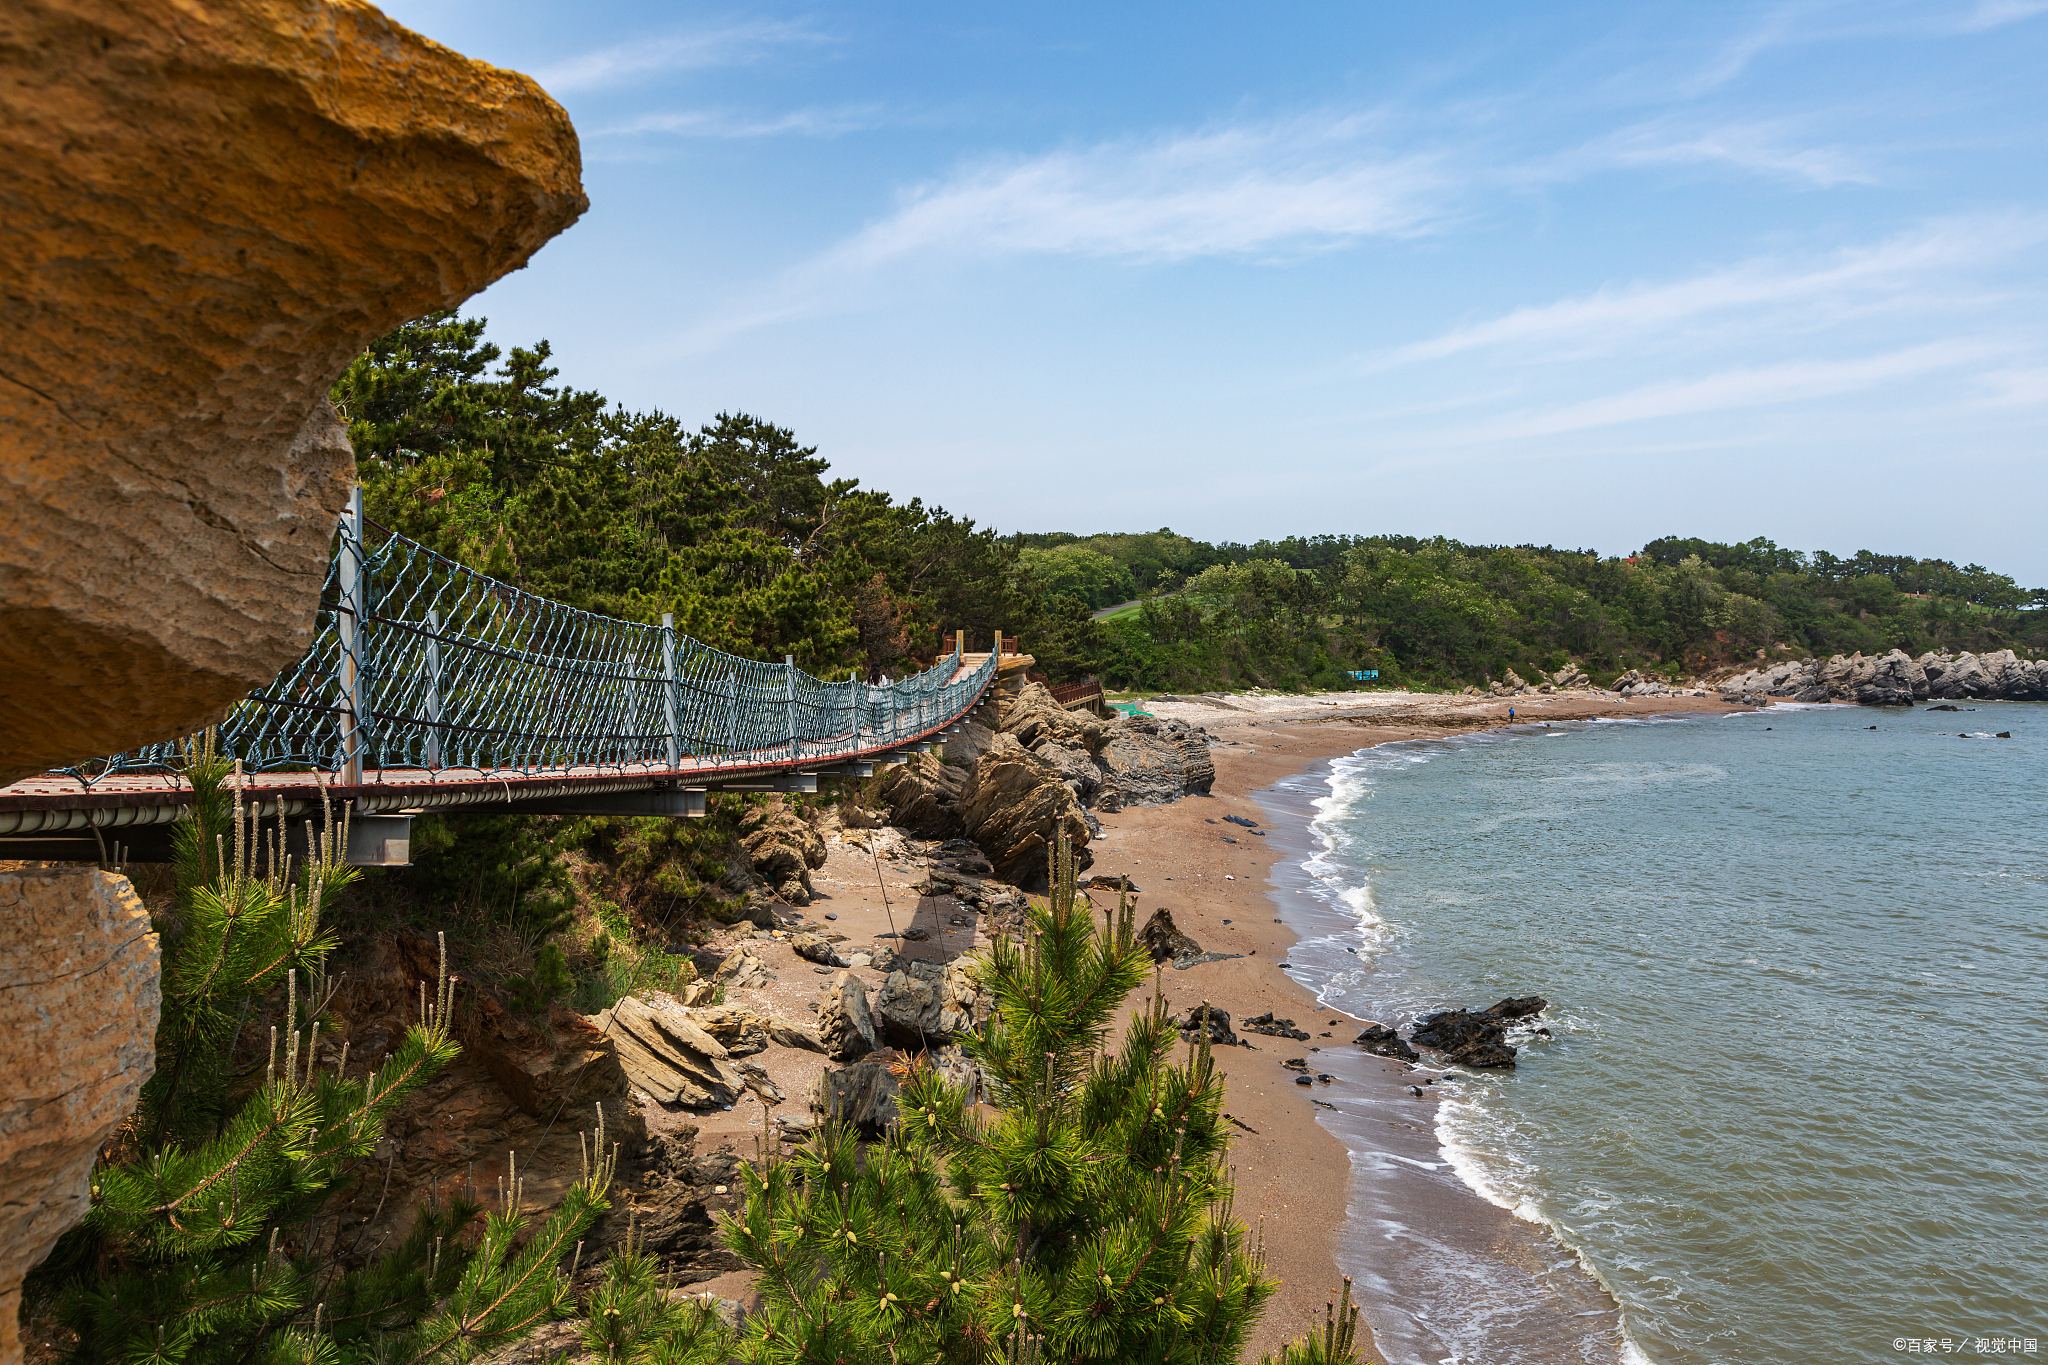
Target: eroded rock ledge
[210, 209]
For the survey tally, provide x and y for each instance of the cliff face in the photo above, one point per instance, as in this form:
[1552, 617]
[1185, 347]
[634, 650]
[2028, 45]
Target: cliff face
[78, 1007]
[1897, 679]
[209, 210]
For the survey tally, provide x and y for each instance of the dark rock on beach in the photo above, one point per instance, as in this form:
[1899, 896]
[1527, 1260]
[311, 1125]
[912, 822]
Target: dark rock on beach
[1277, 1028]
[1207, 1017]
[1382, 1041]
[1165, 941]
[1475, 1038]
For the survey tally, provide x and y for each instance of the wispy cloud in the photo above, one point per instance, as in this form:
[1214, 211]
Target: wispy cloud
[713, 123]
[1770, 149]
[1749, 387]
[1918, 266]
[1998, 13]
[623, 63]
[1287, 187]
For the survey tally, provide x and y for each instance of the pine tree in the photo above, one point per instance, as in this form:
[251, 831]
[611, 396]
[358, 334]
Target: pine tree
[197, 1246]
[1088, 1220]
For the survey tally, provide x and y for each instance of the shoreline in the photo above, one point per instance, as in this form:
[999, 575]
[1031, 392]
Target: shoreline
[1349, 1177]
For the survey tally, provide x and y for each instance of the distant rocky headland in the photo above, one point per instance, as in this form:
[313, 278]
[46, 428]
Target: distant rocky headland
[1895, 679]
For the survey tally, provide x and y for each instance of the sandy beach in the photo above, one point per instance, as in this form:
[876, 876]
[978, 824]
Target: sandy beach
[1238, 891]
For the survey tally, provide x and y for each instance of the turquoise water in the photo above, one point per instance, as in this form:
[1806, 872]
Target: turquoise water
[1794, 1102]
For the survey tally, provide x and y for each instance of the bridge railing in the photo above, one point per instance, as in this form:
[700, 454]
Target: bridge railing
[420, 662]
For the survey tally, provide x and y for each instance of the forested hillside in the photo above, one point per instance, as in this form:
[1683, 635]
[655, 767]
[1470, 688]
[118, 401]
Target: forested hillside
[741, 531]
[1305, 612]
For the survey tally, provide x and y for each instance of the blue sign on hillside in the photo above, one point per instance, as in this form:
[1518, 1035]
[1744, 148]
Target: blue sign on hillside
[1365, 674]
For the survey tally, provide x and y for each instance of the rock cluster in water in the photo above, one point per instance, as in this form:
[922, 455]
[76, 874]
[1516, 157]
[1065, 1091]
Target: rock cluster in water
[1897, 679]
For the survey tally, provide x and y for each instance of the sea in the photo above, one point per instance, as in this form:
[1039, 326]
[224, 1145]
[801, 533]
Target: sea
[1792, 1105]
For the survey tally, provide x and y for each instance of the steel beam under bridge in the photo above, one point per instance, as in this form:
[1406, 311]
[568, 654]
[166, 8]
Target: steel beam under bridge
[130, 815]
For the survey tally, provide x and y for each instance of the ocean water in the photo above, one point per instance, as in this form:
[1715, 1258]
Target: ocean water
[1793, 1104]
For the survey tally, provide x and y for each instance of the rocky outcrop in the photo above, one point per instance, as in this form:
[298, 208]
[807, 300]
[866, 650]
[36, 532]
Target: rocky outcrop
[78, 1009]
[1476, 1038]
[210, 209]
[923, 796]
[669, 1057]
[923, 1004]
[1896, 679]
[816, 948]
[1075, 768]
[845, 1025]
[740, 1032]
[1034, 717]
[1013, 805]
[968, 742]
[783, 849]
[1147, 761]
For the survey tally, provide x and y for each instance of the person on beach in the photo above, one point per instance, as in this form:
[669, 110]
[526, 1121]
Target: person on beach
[1511, 715]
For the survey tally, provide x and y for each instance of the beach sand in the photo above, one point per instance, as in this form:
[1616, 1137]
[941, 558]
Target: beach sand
[1296, 1183]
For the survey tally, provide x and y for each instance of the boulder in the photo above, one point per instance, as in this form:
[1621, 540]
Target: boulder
[544, 1066]
[740, 1032]
[923, 796]
[1013, 805]
[1147, 761]
[1206, 1018]
[1382, 1041]
[1033, 717]
[924, 1004]
[783, 848]
[845, 1027]
[863, 1095]
[786, 1034]
[79, 994]
[742, 969]
[1570, 678]
[210, 210]
[1476, 1038]
[1163, 940]
[813, 948]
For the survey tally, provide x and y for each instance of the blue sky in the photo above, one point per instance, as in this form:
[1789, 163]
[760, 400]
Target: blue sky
[1581, 274]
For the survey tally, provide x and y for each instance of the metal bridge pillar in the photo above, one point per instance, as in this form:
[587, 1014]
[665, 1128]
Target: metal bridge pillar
[433, 698]
[350, 619]
[668, 689]
[789, 700]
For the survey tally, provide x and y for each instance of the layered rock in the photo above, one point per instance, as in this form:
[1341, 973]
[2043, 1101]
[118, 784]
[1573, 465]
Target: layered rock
[863, 1095]
[845, 1025]
[923, 796]
[210, 209]
[1147, 761]
[1012, 806]
[783, 849]
[666, 1055]
[1075, 768]
[1033, 716]
[79, 996]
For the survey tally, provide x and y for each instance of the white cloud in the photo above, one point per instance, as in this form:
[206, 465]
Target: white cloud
[644, 57]
[1240, 191]
[1916, 267]
[711, 123]
[1760, 148]
[1791, 382]
[1998, 13]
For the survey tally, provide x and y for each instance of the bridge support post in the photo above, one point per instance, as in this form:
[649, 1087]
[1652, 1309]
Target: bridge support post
[855, 691]
[668, 689]
[789, 700]
[433, 698]
[350, 620]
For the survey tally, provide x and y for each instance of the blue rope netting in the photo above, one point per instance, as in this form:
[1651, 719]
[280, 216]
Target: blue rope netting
[460, 671]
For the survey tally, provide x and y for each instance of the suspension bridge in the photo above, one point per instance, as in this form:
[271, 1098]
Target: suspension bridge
[430, 686]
